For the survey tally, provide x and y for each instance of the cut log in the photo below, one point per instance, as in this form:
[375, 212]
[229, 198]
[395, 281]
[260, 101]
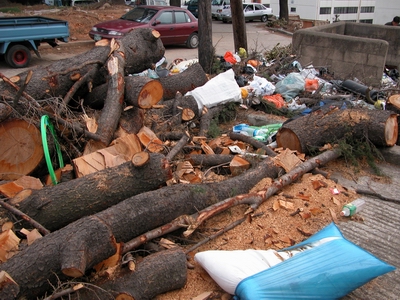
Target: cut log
[57, 206]
[9, 289]
[66, 252]
[21, 149]
[156, 274]
[193, 77]
[238, 165]
[318, 128]
[34, 267]
[111, 112]
[210, 159]
[142, 47]
[142, 91]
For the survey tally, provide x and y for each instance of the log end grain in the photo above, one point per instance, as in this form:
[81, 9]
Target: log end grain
[21, 149]
[391, 130]
[286, 138]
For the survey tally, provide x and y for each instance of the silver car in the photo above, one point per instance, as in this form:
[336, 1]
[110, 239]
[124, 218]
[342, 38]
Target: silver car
[251, 11]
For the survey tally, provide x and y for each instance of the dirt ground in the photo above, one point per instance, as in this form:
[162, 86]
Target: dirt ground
[275, 226]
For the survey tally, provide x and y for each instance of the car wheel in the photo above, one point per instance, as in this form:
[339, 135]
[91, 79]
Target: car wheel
[193, 41]
[224, 21]
[18, 56]
[264, 19]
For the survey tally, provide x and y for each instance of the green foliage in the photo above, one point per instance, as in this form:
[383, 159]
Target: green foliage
[10, 10]
[278, 52]
[214, 130]
[356, 150]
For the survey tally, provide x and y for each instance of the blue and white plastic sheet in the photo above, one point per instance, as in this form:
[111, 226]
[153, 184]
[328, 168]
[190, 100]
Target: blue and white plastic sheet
[325, 266]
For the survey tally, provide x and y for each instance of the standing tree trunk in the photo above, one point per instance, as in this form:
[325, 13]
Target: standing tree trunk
[284, 10]
[206, 49]
[239, 25]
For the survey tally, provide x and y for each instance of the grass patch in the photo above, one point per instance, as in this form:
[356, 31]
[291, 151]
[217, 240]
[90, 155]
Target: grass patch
[10, 10]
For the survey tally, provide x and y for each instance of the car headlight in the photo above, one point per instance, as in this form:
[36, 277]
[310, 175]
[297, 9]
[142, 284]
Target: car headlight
[113, 32]
[94, 29]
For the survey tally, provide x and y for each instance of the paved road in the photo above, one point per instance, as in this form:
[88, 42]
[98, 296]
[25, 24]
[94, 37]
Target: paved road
[259, 39]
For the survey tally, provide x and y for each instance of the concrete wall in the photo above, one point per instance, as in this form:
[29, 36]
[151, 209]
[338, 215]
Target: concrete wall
[349, 49]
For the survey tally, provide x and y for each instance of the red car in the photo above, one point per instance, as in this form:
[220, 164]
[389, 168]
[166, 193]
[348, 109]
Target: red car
[175, 24]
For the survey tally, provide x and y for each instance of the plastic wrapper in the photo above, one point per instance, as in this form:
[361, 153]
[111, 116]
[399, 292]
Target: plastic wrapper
[325, 266]
[290, 86]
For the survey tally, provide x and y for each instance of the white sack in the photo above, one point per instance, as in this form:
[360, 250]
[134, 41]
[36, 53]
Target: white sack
[228, 268]
[219, 90]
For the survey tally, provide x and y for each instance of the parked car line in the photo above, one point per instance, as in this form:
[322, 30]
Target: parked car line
[251, 11]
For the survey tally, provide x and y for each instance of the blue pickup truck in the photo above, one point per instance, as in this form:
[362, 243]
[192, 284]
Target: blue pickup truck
[20, 35]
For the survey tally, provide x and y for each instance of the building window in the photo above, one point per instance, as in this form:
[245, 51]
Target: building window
[367, 9]
[325, 11]
[293, 9]
[369, 21]
[345, 10]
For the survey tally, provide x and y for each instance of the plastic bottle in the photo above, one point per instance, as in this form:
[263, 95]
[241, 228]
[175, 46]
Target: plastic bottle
[352, 208]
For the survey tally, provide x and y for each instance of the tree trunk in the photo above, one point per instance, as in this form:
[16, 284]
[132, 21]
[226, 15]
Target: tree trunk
[92, 238]
[56, 206]
[193, 77]
[156, 274]
[143, 47]
[206, 50]
[239, 25]
[284, 10]
[111, 112]
[312, 131]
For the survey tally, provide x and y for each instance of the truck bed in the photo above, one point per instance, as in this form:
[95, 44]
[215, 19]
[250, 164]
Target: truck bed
[32, 28]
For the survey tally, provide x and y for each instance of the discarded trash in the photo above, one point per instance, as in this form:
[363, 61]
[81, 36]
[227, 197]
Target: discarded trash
[325, 266]
[352, 208]
[360, 89]
[220, 89]
[260, 133]
[290, 86]
[236, 149]
[261, 86]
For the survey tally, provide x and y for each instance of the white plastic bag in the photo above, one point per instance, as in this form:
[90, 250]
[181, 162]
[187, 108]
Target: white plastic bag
[221, 89]
[228, 268]
[262, 86]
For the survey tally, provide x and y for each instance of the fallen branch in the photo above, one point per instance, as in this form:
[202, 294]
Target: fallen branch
[25, 217]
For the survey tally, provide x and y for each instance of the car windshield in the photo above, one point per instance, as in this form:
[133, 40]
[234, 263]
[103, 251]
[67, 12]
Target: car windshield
[139, 14]
[217, 2]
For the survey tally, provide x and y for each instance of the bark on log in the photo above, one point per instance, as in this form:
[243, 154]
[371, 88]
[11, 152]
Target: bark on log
[318, 128]
[58, 255]
[193, 77]
[210, 159]
[59, 205]
[156, 274]
[142, 49]
[34, 266]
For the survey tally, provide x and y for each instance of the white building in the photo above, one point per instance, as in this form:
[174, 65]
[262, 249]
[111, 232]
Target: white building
[363, 11]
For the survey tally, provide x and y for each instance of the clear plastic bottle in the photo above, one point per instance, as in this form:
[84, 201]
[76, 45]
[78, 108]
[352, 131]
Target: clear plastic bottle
[352, 208]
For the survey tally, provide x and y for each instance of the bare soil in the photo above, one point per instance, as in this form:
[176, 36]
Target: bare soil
[275, 227]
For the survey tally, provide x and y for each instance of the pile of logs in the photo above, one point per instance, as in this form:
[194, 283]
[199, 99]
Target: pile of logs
[118, 192]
